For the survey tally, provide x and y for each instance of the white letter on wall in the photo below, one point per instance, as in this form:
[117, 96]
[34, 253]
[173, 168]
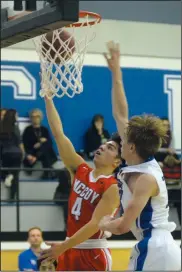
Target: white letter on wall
[22, 82]
[172, 86]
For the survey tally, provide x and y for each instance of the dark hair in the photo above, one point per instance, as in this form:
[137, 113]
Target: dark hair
[96, 118]
[146, 132]
[8, 123]
[165, 119]
[117, 139]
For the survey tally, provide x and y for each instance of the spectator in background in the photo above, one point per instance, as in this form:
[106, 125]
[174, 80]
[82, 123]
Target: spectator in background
[166, 155]
[95, 136]
[38, 144]
[2, 113]
[11, 150]
[27, 260]
[168, 142]
[167, 158]
[46, 266]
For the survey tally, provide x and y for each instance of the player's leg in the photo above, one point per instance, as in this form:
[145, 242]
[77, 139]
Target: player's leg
[91, 260]
[64, 262]
[163, 258]
[145, 258]
[173, 257]
[168, 256]
[155, 255]
[107, 259]
[100, 259]
[133, 259]
[71, 260]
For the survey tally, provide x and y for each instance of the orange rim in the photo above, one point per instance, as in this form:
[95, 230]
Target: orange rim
[82, 14]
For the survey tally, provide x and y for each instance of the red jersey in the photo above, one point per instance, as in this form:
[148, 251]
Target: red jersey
[85, 194]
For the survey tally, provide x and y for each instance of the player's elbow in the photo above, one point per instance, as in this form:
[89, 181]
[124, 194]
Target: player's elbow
[123, 229]
[124, 226]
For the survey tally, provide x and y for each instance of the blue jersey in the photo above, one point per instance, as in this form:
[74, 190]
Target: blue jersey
[155, 213]
[27, 260]
[156, 249]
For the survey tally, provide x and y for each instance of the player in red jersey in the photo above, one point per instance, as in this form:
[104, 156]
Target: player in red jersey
[94, 194]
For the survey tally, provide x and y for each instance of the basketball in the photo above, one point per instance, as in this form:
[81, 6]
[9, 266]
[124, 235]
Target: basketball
[62, 51]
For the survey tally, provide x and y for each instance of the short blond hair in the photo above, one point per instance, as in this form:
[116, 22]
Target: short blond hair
[146, 132]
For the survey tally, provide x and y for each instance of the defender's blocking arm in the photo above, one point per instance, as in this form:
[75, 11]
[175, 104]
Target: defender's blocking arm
[119, 101]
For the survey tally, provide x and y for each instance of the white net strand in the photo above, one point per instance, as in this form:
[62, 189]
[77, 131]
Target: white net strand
[61, 70]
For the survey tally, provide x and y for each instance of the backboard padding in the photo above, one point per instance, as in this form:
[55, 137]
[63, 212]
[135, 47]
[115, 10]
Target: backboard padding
[39, 22]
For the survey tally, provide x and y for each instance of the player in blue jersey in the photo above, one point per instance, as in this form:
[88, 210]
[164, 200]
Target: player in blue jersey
[144, 197]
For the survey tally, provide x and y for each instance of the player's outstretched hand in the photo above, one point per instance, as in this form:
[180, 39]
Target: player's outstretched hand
[104, 221]
[113, 55]
[47, 94]
[52, 254]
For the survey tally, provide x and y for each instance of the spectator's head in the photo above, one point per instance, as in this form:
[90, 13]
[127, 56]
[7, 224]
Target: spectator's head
[109, 154]
[143, 137]
[35, 237]
[46, 266]
[2, 113]
[166, 122]
[36, 117]
[98, 122]
[9, 121]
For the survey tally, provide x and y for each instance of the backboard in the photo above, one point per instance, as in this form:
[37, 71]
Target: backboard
[53, 15]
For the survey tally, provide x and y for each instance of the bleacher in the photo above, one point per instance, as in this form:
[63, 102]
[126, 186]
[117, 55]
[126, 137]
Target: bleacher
[36, 198]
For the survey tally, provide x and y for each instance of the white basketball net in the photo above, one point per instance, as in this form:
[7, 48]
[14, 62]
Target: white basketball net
[65, 77]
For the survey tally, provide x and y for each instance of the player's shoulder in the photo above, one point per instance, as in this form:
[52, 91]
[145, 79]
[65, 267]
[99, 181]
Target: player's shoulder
[108, 181]
[25, 253]
[145, 178]
[83, 168]
[149, 180]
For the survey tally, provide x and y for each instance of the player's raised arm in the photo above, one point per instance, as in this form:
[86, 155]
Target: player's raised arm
[141, 195]
[107, 205]
[66, 150]
[119, 101]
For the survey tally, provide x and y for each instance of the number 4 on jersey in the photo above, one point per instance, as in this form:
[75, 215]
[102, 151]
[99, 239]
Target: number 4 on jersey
[76, 209]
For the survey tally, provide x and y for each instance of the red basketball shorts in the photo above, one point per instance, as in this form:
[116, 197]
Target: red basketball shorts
[85, 260]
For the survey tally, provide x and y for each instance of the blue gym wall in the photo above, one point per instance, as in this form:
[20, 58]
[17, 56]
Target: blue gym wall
[144, 90]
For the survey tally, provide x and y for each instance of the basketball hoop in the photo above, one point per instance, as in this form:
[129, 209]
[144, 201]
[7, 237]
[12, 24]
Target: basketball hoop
[61, 68]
